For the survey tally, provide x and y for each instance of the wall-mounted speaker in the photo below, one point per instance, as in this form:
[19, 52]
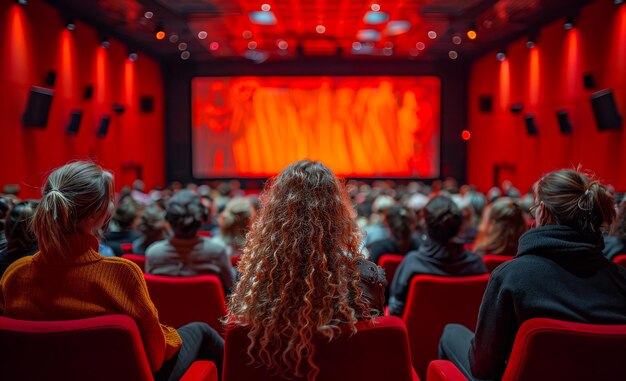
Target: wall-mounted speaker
[516, 108]
[531, 126]
[485, 103]
[565, 125]
[37, 107]
[103, 127]
[588, 81]
[118, 108]
[74, 124]
[51, 78]
[605, 110]
[147, 103]
[88, 94]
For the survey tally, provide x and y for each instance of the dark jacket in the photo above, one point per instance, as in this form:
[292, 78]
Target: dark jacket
[389, 246]
[11, 254]
[613, 246]
[556, 274]
[373, 283]
[432, 258]
[115, 240]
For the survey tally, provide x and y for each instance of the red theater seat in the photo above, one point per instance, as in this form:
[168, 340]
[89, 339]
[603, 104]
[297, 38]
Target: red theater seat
[620, 260]
[205, 233]
[435, 301]
[139, 260]
[548, 349]
[127, 248]
[374, 353]
[182, 300]
[492, 260]
[390, 263]
[102, 348]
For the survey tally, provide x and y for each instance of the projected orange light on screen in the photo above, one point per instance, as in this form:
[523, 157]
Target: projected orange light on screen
[359, 126]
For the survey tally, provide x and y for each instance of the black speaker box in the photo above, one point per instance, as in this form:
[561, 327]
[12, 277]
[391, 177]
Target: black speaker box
[147, 103]
[88, 94]
[517, 108]
[74, 124]
[118, 108]
[565, 125]
[37, 107]
[51, 78]
[605, 110]
[531, 126]
[103, 128]
[486, 103]
[588, 81]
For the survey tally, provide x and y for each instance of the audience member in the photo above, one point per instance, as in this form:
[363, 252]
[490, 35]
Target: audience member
[234, 222]
[68, 279]
[152, 227]
[376, 230]
[301, 271]
[21, 240]
[440, 254]
[122, 227]
[499, 231]
[615, 243]
[5, 206]
[402, 223]
[560, 273]
[186, 253]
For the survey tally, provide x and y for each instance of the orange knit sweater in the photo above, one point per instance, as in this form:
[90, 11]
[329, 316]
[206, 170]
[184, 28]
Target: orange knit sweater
[80, 283]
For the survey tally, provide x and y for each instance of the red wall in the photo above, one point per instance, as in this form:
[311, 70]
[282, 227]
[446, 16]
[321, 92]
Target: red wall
[34, 41]
[546, 78]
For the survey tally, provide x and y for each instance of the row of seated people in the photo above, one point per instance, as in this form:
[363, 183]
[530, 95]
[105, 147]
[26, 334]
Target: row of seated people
[302, 273]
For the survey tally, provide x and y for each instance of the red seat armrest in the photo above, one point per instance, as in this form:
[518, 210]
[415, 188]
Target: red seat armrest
[201, 371]
[444, 370]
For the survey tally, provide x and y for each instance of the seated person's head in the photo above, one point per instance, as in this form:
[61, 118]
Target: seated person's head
[185, 213]
[502, 225]
[401, 222]
[569, 197]
[18, 230]
[125, 214]
[77, 198]
[235, 219]
[443, 219]
[619, 228]
[152, 222]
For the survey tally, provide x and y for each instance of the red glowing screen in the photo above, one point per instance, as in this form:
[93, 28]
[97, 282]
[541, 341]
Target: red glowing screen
[358, 126]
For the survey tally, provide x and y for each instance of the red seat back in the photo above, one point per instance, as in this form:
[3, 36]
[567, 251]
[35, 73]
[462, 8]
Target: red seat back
[127, 248]
[547, 349]
[494, 260]
[435, 301]
[390, 263]
[182, 300]
[620, 259]
[374, 353]
[100, 349]
[139, 260]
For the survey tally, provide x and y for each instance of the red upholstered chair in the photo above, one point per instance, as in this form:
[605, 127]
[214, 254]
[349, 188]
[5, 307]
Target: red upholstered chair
[548, 349]
[390, 263]
[493, 260]
[182, 300]
[620, 259]
[127, 248]
[102, 348]
[140, 260]
[205, 233]
[435, 301]
[374, 353]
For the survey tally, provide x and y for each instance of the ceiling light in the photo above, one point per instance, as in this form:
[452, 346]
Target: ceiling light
[265, 7]
[282, 44]
[456, 40]
[133, 56]
[321, 29]
[185, 55]
[263, 18]
[214, 45]
[420, 46]
[397, 27]
[432, 34]
[148, 15]
[252, 45]
[159, 33]
[105, 43]
[501, 56]
[568, 24]
[471, 34]
[202, 34]
[374, 18]
[368, 35]
[375, 7]
[530, 43]
[69, 24]
[453, 54]
[174, 38]
[246, 34]
[182, 46]
[356, 45]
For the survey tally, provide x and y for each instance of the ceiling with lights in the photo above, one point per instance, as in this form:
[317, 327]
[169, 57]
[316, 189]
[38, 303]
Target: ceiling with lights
[270, 30]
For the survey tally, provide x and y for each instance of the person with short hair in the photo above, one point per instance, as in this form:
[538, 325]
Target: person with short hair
[21, 240]
[68, 279]
[187, 253]
[402, 224]
[441, 254]
[559, 273]
[122, 228]
[153, 228]
[615, 242]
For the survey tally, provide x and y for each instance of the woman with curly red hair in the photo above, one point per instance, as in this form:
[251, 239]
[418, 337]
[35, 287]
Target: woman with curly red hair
[302, 271]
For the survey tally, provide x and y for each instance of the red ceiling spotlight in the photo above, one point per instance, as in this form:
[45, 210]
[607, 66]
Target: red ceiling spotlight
[466, 135]
[471, 32]
[160, 33]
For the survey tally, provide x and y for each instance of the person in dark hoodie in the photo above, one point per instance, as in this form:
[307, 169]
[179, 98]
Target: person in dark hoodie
[615, 243]
[559, 272]
[440, 254]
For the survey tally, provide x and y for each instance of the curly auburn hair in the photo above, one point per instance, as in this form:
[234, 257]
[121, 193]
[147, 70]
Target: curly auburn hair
[299, 274]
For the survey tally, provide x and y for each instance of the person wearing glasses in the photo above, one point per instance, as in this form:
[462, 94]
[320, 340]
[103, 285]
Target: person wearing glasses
[559, 272]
